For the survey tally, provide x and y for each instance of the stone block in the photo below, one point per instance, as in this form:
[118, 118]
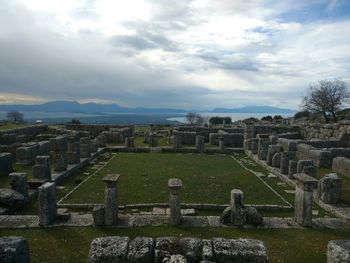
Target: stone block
[14, 249]
[11, 198]
[330, 188]
[109, 249]
[47, 204]
[141, 250]
[98, 213]
[338, 251]
[239, 250]
[272, 150]
[26, 154]
[5, 163]
[276, 160]
[341, 165]
[18, 183]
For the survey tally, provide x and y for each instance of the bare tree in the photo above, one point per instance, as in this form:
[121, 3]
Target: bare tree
[326, 97]
[195, 118]
[14, 116]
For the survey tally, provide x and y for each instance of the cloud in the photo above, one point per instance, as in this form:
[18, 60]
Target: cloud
[190, 54]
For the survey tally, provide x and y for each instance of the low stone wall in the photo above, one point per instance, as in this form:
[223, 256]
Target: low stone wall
[11, 136]
[172, 150]
[251, 130]
[95, 129]
[230, 139]
[173, 249]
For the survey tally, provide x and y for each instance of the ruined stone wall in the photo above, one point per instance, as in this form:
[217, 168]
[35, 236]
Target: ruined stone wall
[335, 131]
[95, 129]
[21, 134]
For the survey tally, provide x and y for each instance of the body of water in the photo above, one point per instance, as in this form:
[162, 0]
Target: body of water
[45, 114]
[234, 116]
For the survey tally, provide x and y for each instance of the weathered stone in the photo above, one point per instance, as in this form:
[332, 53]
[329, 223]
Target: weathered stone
[98, 213]
[338, 251]
[310, 170]
[177, 140]
[254, 144]
[174, 186]
[129, 142]
[192, 249]
[111, 199]
[252, 216]
[200, 143]
[85, 148]
[225, 217]
[12, 199]
[47, 204]
[60, 161]
[221, 144]
[44, 147]
[26, 154]
[59, 144]
[237, 207]
[14, 250]
[207, 251]
[239, 250]
[263, 146]
[18, 183]
[302, 163]
[141, 250]
[341, 165]
[5, 163]
[272, 150]
[175, 259]
[153, 140]
[329, 188]
[165, 247]
[42, 169]
[292, 168]
[109, 250]
[276, 160]
[303, 199]
[285, 158]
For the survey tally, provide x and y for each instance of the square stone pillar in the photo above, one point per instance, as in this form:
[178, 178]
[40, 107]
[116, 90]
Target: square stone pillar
[329, 188]
[47, 204]
[292, 168]
[177, 140]
[200, 143]
[6, 163]
[271, 151]
[221, 144]
[285, 158]
[152, 140]
[303, 199]
[237, 207]
[129, 142]
[111, 199]
[174, 186]
[85, 147]
[42, 168]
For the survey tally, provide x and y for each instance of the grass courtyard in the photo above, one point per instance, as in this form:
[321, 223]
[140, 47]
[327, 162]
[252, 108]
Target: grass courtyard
[206, 179]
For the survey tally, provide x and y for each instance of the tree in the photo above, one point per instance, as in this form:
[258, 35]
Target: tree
[220, 120]
[14, 116]
[326, 97]
[195, 118]
[267, 118]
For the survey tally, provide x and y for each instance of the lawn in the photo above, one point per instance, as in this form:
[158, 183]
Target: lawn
[206, 179]
[10, 125]
[71, 244]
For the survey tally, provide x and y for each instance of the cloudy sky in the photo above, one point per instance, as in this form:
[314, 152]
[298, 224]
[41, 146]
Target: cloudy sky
[178, 54]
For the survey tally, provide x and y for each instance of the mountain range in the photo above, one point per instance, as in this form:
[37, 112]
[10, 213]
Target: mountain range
[91, 107]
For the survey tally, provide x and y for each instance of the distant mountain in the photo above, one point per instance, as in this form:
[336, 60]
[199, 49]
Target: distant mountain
[76, 107]
[253, 109]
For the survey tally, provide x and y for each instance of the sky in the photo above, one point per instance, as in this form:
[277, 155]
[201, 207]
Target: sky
[186, 54]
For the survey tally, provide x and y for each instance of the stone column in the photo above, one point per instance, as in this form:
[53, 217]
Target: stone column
[272, 149]
[47, 204]
[200, 143]
[18, 183]
[152, 140]
[42, 168]
[263, 145]
[61, 161]
[237, 207]
[221, 144]
[73, 151]
[254, 144]
[174, 186]
[292, 168]
[303, 199]
[85, 148]
[177, 140]
[129, 142]
[285, 158]
[111, 199]
[59, 148]
[94, 146]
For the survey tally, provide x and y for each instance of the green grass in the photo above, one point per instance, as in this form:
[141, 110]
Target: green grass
[9, 125]
[206, 179]
[72, 244]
